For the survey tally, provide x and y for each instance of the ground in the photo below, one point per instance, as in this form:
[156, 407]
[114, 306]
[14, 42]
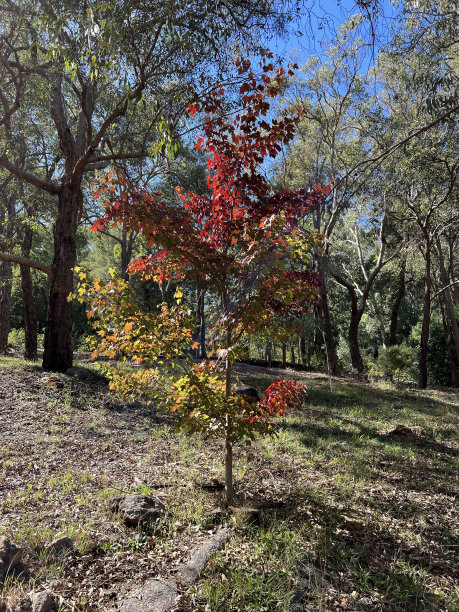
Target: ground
[354, 515]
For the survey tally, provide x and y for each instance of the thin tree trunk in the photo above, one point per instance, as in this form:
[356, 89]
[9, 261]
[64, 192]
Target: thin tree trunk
[284, 355]
[229, 490]
[318, 336]
[124, 254]
[6, 274]
[58, 350]
[370, 292]
[452, 362]
[425, 331]
[401, 289]
[30, 314]
[202, 323]
[354, 348]
[302, 349]
[292, 353]
[448, 301]
[6, 284]
[324, 310]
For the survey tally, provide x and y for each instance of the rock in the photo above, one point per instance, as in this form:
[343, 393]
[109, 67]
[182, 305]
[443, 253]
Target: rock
[114, 502]
[248, 393]
[10, 556]
[140, 509]
[53, 381]
[60, 546]
[154, 596]
[188, 572]
[45, 601]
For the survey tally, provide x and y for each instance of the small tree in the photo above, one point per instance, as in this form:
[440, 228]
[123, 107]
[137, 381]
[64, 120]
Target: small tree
[242, 243]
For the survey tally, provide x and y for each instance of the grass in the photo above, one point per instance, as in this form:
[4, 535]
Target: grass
[351, 518]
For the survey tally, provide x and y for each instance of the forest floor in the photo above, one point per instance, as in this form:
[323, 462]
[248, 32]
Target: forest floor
[354, 515]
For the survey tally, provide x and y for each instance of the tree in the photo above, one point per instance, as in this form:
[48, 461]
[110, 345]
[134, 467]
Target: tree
[103, 71]
[331, 95]
[238, 242]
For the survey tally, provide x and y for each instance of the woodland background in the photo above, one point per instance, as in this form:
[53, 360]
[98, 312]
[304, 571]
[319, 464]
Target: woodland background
[94, 87]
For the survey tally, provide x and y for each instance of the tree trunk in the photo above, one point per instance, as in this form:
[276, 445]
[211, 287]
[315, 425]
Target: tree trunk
[356, 357]
[124, 254]
[448, 301]
[379, 318]
[6, 273]
[452, 362]
[425, 331]
[58, 350]
[302, 349]
[284, 355]
[6, 284]
[329, 339]
[292, 353]
[202, 323]
[229, 490]
[318, 336]
[30, 314]
[396, 305]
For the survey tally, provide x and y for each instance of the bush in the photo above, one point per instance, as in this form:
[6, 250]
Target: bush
[397, 362]
[16, 338]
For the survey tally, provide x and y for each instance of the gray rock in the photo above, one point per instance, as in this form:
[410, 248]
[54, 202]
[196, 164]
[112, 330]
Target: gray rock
[45, 601]
[154, 596]
[190, 570]
[140, 509]
[10, 556]
[60, 546]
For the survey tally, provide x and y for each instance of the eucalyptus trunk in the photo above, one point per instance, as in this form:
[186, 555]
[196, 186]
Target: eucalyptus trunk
[330, 345]
[6, 273]
[58, 349]
[30, 314]
[448, 301]
[6, 284]
[400, 294]
[425, 330]
[354, 348]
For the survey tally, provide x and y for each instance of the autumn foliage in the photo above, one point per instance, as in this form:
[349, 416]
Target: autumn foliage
[238, 243]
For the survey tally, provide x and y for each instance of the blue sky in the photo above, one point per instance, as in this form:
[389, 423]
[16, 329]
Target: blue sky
[319, 23]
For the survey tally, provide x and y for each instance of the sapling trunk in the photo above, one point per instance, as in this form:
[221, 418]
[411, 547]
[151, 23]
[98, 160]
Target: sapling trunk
[229, 491]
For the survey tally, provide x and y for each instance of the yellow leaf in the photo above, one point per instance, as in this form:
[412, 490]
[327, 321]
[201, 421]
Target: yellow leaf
[128, 327]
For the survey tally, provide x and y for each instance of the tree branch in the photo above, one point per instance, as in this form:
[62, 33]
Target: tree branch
[24, 261]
